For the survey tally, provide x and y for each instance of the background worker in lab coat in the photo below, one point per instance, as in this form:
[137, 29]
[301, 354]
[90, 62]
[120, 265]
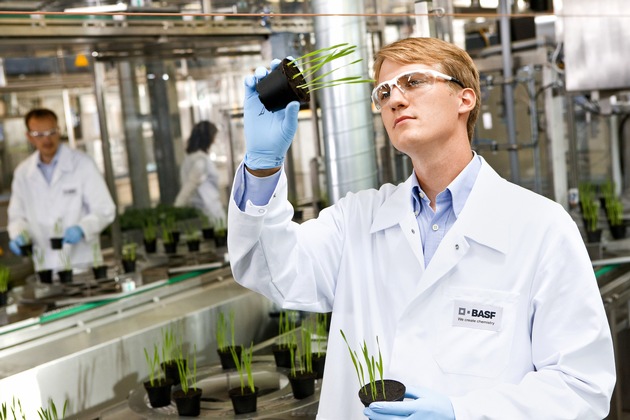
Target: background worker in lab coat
[57, 185]
[480, 292]
[199, 176]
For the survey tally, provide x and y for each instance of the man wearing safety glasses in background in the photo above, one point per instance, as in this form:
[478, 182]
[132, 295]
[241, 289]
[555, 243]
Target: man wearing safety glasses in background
[481, 293]
[57, 187]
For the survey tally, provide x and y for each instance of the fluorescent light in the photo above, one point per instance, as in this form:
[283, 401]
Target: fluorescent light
[107, 8]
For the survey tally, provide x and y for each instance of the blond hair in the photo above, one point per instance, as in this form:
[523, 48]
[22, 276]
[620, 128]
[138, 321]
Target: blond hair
[442, 55]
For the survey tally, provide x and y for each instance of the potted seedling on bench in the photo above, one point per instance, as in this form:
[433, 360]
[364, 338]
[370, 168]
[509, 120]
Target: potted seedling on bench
[170, 246]
[158, 387]
[302, 379]
[149, 234]
[26, 249]
[374, 389]
[129, 257]
[39, 259]
[188, 398]
[220, 233]
[172, 354]
[206, 227]
[65, 275]
[99, 269]
[244, 398]
[286, 339]
[193, 237]
[295, 80]
[5, 273]
[56, 241]
[225, 347]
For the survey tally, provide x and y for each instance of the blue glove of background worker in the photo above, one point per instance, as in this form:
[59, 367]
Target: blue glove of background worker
[427, 405]
[268, 135]
[15, 244]
[72, 235]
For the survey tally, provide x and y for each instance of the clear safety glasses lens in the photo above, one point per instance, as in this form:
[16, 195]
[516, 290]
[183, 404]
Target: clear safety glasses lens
[46, 133]
[411, 81]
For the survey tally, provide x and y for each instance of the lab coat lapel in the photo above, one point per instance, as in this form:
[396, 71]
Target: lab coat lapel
[480, 221]
[63, 165]
[395, 210]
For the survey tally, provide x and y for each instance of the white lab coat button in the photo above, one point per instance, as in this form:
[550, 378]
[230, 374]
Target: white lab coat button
[456, 246]
[413, 231]
[261, 211]
[435, 227]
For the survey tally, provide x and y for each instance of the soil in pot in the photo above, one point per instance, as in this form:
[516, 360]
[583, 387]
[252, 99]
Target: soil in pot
[65, 276]
[26, 250]
[188, 404]
[129, 266]
[159, 393]
[170, 370]
[280, 87]
[56, 243]
[208, 233]
[302, 384]
[282, 354]
[225, 355]
[100, 272]
[243, 401]
[150, 247]
[45, 276]
[394, 391]
[193, 246]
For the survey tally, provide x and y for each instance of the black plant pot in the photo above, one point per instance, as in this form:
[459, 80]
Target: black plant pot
[220, 240]
[170, 370]
[176, 234]
[618, 231]
[593, 236]
[188, 404]
[302, 384]
[170, 247]
[129, 266]
[4, 298]
[282, 355]
[56, 243]
[243, 401]
[159, 393]
[26, 250]
[45, 276]
[150, 247]
[100, 272]
[208, 233]
[225, 356]
[394, 391]
[318, 364]
[65, 276]
[280, 87]
[193, 246]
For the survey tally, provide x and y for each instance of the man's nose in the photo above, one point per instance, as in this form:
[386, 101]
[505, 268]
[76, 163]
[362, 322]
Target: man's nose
[396, 97]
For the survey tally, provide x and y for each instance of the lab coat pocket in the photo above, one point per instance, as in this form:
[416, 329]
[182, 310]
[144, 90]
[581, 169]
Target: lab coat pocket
[477, 332]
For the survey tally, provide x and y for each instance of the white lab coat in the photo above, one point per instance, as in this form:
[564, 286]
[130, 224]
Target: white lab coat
[551, 356]
[200, 186]
[77, 195]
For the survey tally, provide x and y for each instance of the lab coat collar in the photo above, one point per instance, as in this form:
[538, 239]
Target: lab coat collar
[481, 219]
[64, 163]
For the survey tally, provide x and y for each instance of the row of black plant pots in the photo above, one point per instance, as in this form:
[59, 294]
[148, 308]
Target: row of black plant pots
[55, 243]
[150, 247]
[99, 272]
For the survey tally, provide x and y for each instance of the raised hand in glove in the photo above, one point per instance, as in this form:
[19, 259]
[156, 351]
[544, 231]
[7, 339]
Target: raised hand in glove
[268, 135]
[16, 243]
[426, 405]
[73, 234]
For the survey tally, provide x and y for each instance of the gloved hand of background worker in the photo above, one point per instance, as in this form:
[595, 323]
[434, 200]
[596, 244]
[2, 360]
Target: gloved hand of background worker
[73, 234]
[268, 135]
[426, 405]
[15, 244]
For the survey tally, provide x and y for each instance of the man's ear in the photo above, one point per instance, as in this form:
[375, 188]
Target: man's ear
[468, 100]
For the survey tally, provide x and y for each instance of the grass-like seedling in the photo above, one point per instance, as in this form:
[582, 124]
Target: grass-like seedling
[129, 251]
[39, 258]
[371, 365]
[171, 347]
[4, 278]
[244, 367]
[97, 256]
[15, 410]
[149, 232]
[188, 378]
[222, 331]
[50, 412]
[321, 329]
[286, 324]
[58, 228]
[313, 62]
[65, 260]
[154, 366]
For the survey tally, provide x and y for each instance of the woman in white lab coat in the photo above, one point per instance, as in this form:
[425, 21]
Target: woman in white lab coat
[199, 176]
[58, 186]
[503, 320]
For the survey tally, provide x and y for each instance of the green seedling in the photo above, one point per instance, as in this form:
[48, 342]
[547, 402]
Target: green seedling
[155, 371]
[4, 278]
[244, 366]
[97, 256]
[149, 232]
[65, 260]
[188, 378]
[371, 365]
[286, 327]
[129, 251]
[39, 258]
[222, 330]
[50, 413]
[58, 228]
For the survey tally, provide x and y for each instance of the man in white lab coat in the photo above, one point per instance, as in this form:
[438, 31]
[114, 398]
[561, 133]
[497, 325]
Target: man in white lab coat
[480, 292]
[57, 187]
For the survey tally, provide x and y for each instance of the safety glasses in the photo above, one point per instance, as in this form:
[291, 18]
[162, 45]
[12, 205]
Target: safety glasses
[42, 134]
[415, 80]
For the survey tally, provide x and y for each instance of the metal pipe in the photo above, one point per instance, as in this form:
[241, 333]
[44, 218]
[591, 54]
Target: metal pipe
[508, 88]
[533, 122]
[99, 80]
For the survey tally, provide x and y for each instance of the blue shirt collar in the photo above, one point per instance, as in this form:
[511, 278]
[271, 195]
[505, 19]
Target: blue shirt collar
[456, 192]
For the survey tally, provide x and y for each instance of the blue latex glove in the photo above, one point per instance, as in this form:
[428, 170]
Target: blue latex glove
[73, 234]
[15, 244]
[268, 135]
[427, 405]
